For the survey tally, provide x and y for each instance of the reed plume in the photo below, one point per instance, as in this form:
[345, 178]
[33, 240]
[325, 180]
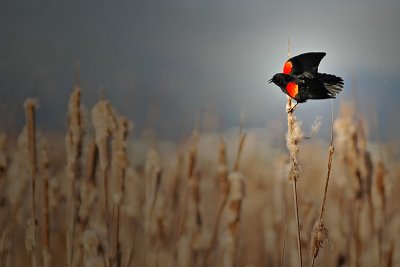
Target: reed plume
[119, 164]
[73, 143]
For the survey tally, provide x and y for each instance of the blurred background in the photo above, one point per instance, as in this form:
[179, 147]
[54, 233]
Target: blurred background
[168, 65]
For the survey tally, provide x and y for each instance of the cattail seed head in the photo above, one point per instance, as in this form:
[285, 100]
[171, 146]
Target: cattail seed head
[319, 238]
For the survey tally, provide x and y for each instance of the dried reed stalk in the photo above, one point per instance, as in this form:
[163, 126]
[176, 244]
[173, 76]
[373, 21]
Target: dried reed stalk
[3, 157]
[152, 184]
[293, 138]
[88, 189]
[380, 178]
[119, 165]
[195, 220]
[104, 123]
[358, 162]
[91, 162]
[320, 232]
[380, 188]
[73, 142]
[242, 139]
[187, 221]
[234, 207]
[30, 108]
[45, 205]
[224, 190]
[20, 167]
[88, 198]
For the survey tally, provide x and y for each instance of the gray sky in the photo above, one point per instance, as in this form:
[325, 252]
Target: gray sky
[161, 62]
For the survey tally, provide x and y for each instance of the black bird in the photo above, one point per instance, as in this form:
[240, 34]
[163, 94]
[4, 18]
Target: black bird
[301, 81]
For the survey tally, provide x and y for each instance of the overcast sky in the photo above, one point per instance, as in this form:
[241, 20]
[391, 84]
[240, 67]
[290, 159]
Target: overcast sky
[162, 62]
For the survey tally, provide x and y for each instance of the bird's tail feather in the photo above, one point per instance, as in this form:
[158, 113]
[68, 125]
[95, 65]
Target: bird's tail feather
[332, 83]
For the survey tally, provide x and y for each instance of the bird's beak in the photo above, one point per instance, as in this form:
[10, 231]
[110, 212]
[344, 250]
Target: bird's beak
[270, 81]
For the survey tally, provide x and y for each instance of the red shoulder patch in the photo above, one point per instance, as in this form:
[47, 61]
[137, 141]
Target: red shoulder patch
[292, 88]
[288, 67]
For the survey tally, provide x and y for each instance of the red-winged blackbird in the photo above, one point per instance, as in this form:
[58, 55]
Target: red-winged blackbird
[301, 81]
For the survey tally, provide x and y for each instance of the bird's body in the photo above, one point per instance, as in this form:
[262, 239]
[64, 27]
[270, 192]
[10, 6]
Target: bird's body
[301, 81]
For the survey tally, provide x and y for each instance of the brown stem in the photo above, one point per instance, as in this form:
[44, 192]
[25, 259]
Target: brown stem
[294, 171]
[45, 211]
[328, 175]
[242, 138]
[30, 106]
[216, 227]
[296, 207]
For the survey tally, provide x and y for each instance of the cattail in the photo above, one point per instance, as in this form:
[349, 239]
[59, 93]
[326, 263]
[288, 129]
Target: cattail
[45, 211]
[88, 190]
[293, 138]
[223, 168]
[153, 181]
[91, 162]
[73, 142]
[194, 190]
[132, 207]
[132, 204]
[119, 164]
[347, 142]
[224, 188]
[380, 204]
[152, 173]
[189, 222]
[380, 182]
[88, 197]
[223, 174]
[104, 123]
[19, 167]
[319, 235]
[318, 239]
[358, 161]
[120, 159]
[103, 119]
[18, 178]
[234, 205]
[30, 109]
[3, 156]
[55, 194]
[242, 139]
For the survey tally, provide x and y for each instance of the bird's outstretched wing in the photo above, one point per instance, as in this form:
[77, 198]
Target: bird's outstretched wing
[302, 63]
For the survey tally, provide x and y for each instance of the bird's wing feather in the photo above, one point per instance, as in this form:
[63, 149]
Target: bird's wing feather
[307, 62]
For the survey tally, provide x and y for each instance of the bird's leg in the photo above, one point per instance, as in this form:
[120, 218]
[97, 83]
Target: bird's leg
[294, 107]
[291, 108]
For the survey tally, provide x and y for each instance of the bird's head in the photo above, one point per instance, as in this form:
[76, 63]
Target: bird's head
[278, 79]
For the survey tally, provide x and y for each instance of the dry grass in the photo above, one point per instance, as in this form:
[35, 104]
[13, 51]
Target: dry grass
[208, 201]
